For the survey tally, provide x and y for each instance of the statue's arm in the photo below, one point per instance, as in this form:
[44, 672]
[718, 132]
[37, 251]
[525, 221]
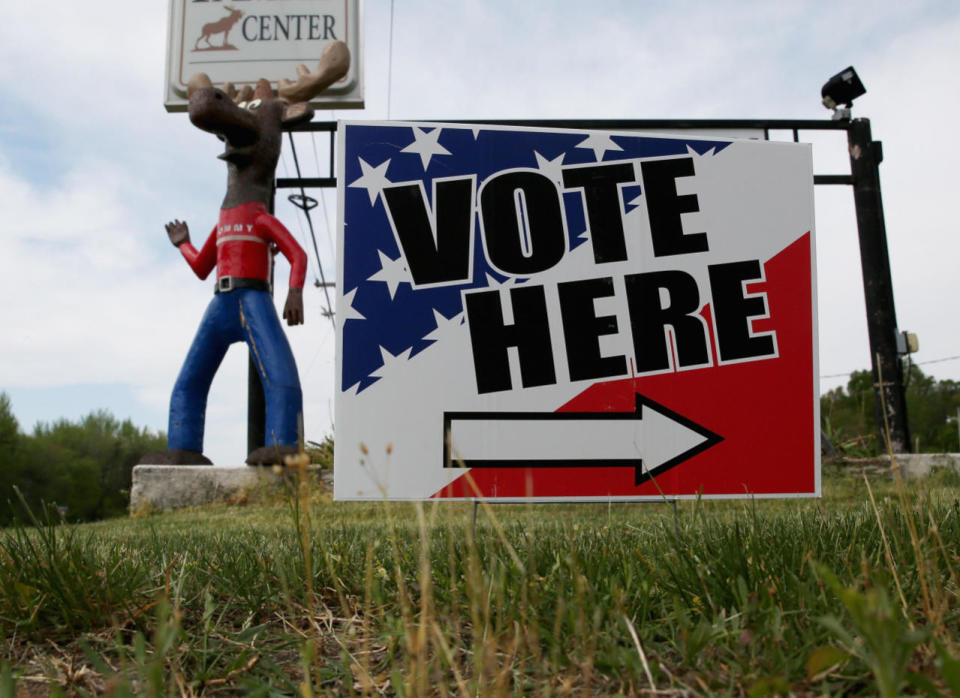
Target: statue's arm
[203, 261]
[293, 308]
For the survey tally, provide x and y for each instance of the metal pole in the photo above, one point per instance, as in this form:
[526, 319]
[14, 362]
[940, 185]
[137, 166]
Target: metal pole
[865, 157]
[256, 409]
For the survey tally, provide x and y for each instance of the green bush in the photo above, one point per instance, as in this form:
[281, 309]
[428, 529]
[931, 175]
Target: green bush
[849, 421]
[84, 467]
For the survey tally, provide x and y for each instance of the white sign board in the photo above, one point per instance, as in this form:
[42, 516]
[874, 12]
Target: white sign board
[573, 315]
[241, 41]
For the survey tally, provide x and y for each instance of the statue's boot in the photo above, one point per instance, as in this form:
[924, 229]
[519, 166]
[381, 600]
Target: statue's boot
[271, 455]
[175, 456]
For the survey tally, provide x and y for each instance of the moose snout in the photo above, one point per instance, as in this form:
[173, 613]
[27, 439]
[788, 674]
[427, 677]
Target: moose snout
[212, 110]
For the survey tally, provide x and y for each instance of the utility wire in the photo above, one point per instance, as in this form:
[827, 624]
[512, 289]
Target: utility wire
[937, 361]
[837, 375]
[915, 363]
[303, 233]
[390, 62]
[323, 192]
[313, 237]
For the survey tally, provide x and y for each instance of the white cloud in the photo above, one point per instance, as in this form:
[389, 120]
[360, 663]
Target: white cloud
[914, 100]
[87, 281]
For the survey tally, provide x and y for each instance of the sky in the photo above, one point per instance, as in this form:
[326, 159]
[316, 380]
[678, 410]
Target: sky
[99, 309]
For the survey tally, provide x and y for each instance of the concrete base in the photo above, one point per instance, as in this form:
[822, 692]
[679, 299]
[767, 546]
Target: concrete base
[164, 487]
[911, 464]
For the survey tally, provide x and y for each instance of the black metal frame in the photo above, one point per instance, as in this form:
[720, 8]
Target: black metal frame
[766, 125]
[865, 157]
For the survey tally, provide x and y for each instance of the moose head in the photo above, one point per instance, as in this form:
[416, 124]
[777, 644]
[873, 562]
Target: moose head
[250, 121]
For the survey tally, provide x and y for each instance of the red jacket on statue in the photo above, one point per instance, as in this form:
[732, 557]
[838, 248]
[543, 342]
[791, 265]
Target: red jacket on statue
[239, 246]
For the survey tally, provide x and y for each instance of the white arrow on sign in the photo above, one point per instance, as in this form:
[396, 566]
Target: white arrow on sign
[651, 439]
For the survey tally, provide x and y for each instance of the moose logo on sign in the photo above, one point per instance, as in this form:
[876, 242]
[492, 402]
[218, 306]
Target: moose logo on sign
[222, 26]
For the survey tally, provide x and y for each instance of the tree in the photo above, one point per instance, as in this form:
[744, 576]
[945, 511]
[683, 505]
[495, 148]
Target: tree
[848, 418]
[10, 446]
[113, 446]
[84, 466]
[9, 428]
[932, 410]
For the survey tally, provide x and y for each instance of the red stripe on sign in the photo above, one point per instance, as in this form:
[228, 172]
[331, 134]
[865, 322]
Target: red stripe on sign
[763, 410]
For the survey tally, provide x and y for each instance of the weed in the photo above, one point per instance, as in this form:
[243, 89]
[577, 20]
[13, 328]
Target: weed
[880, 636]
[311, 597]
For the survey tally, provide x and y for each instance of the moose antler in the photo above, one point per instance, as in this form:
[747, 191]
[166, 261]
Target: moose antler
[197, 82]
[244, 95]
[334, 64]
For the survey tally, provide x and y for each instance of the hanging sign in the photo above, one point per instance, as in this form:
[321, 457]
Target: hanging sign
[241, 41]
[573, 315]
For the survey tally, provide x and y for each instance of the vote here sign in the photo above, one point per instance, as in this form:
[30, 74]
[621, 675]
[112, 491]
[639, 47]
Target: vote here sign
[559, 314]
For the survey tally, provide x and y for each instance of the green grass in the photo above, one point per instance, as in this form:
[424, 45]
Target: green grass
[843, 595]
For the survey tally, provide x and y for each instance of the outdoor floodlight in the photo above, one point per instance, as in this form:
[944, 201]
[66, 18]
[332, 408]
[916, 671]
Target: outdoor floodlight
[842, 88]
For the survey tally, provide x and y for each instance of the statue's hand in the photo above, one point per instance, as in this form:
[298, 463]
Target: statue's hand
[293, 309]
[178, 232]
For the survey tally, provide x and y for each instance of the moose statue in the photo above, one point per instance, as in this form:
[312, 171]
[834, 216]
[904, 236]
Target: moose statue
[241, 245]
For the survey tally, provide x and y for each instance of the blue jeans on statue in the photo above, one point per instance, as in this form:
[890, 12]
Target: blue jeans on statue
[242, 315]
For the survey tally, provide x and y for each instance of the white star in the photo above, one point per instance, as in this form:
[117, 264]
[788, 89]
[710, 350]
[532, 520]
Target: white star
[390, 362]
[506, 283]
[551, 168]
[349, 312]
[708, 153]
[599, 143]
[374, 179]
[581, 250]
[426, 145]
[393, 272]
[445, 326]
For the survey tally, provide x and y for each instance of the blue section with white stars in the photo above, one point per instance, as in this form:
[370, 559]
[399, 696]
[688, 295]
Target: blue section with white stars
[382, 309]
